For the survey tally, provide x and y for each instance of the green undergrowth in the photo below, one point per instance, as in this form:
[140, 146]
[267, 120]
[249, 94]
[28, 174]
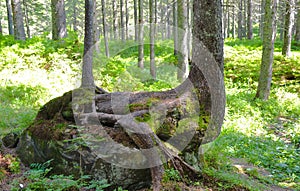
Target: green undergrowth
[264, 133]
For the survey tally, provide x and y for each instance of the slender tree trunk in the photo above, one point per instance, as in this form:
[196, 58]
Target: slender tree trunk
[9, 18]
[152, 38]
[87, 67]
[126, 18]
[244, 18]
[168, 22]
[262, 18]
[115, 21]
[105, 28]
[297, 36]
[26, 18]
[269, 35]
[233, 22]
[1, 31]
[135, 17]
[240, 20]
[19, 32]
[288, 29]
[281, 20]
[141, 35]
[75, 15]
[228, 21]
[182, 55]
[175, 27]
[59, 29]
[96, 30]
[162, 20]
[122, 21]
[249, 25]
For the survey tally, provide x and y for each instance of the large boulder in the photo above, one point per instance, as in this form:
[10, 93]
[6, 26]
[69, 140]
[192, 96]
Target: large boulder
[54, 136]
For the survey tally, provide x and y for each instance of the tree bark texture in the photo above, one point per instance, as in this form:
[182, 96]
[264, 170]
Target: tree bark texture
[297, 35]
[269, 35]
[26, 18]
[87, 66]
[105, 28]
[141, 35]
[288, 28]
[59, 29]
[9, 18]
[250, 20]
[19, 31]
[152, 38]
[182, 54]
[122, 21]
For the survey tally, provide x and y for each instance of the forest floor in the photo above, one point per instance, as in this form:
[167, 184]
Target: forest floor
[258, 148]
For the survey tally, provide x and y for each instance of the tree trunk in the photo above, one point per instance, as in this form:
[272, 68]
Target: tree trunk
[59, 29]
[9, 18]
[233, 22]
[26, 18]
[115, 21]
[87, 66]
[281, 20]
[182, 54]
[240, 20]
[96, 29]
[135, 17]
[168, 21]
[1, 31]
[126, 19]
[262, 18]
[228, 21]
[19, 32]
[152, 38]
[269, 35]
[249, 25]
[75, 15]
[175, 27]
[105, 28]
[141, 36]
[297, 36]
[122, 21]
[288, 28]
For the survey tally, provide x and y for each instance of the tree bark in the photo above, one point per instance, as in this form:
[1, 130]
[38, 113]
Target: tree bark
[9, 18]
[262, 18]
[122, 21]
[182, 54]
[297, 35]
[269, 35]
[26, 18]
[75, 15]
[249, 25]
[152, 38]
[288, 28]
[240, 20]
[233, 22]
[87, 67]
[105, 28]
[135, 17]
[141, 35]
[126, 19]
[59, 29]
[19, 32]
[96, 29]
[115, 21]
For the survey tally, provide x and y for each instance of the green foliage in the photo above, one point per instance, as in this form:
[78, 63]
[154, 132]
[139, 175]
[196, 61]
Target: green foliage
[171, 174]
[265, 133]
[37, 179]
